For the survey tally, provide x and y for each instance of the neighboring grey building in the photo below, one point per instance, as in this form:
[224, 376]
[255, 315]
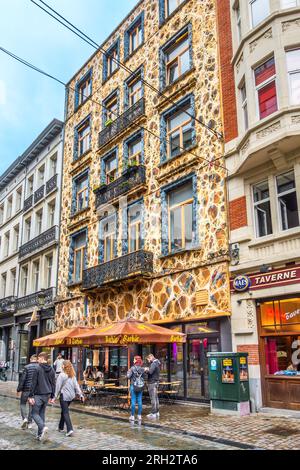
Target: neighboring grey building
[30, 201]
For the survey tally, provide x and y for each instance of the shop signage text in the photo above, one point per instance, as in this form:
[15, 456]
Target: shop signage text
[271, 279]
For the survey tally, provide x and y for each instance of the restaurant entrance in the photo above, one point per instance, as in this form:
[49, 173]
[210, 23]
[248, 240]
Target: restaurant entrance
[279, 328]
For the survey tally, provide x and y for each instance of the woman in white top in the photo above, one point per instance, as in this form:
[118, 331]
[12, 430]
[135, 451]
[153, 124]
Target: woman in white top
[67, 388]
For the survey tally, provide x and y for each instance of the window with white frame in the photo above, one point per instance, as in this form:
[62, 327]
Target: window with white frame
[262, 209]
[27, 229]
[293, 68]
[3, 285]
[6, 244]
[1, 214]
[9, 207]
[287, 200]
[238, 21]
[41, 176]
[51, 214]
[24, 280]
[19, 199]
[13, 279]
[265, 83]
[244, 104]
[49, 268]
[260, 9]
[36, 276]
[53, 165]
[30, 185]
[290, 3]
[39, 222]
[16, 238]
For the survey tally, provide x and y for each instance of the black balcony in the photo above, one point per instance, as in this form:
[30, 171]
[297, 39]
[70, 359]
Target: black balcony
[39, 194]
[139, 263]
[51, 185]
[8, 305]
[39, 242]
[132, 178]
[28, 203]
[122, 122]
[38, 299]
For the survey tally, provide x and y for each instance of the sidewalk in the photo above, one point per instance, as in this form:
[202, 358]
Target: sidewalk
[261, 431]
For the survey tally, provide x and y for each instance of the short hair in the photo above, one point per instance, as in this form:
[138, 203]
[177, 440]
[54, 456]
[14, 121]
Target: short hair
[43, 355]
[33, 358]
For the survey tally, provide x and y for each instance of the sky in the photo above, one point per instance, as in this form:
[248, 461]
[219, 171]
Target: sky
[28, 100]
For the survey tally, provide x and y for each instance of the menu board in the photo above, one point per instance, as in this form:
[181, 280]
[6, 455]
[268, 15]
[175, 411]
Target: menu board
[243, 369]
[227, 371]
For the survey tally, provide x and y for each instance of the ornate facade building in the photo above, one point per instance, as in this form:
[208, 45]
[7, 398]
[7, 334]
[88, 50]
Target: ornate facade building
[144, 225]
[259, 47]
[29, 231]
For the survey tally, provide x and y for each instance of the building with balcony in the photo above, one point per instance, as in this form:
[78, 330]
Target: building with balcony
[144, 224]
[260, 57]
[29, 217]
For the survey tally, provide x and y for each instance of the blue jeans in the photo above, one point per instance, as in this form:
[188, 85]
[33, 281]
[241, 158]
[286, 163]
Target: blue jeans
[136, 397]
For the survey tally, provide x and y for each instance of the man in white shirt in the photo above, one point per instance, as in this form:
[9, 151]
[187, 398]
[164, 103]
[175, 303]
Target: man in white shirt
[58, 364]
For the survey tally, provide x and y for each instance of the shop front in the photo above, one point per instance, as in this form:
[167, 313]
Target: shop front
[266, 325]
[279, 332]
[185, 363]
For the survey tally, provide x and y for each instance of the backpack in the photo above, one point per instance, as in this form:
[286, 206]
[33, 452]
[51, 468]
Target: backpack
[138, 382]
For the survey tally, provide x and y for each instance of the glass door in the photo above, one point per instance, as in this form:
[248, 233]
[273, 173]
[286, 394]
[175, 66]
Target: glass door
[197, 367]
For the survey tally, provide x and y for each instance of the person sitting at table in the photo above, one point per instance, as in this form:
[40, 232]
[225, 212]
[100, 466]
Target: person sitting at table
[98, 375]
[88, 374]
[136, 375]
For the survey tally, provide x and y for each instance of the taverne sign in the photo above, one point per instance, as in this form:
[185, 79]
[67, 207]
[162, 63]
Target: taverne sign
[279, 277]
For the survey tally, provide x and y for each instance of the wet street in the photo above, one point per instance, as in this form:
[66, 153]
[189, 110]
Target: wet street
[91, 432]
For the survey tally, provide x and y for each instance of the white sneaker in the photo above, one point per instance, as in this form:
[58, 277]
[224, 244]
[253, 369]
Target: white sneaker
[131, 419]
[139, 418]
[24, 425]
[30, 425]
[43, 437]
[70, 434]
[157, 415]
[151, 416]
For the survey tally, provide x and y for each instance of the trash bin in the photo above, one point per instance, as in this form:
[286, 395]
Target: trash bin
[229, 383]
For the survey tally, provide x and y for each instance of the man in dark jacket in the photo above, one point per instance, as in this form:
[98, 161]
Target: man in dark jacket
[24, 388]
[153, 382]
[42, 391]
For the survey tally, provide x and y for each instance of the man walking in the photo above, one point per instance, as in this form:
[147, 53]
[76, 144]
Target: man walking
[42, 391]
[58, 364]
[153, 382]
[24, 388]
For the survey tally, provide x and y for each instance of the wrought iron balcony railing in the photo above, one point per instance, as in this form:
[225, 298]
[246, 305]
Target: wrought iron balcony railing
[8, 304]
[39, 242]
[38, 299]
[51, 184]
[39, 194]
[122, 122]
[28, 203]
[132, 178]
[137, 263]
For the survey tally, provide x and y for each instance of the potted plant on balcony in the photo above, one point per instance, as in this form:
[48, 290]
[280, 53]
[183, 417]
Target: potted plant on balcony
[108, 122]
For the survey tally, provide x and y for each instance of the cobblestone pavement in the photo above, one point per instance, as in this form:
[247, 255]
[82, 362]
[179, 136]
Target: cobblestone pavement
[90, 433]
[262, 431]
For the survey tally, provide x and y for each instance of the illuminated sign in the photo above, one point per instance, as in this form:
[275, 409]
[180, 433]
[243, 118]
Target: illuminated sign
[241, 283]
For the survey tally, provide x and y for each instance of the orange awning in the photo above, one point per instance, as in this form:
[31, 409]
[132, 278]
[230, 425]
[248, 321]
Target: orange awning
[61, 338]
[127, 332]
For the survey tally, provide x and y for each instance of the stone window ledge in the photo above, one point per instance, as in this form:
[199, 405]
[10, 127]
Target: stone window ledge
[180, 252]
[127, 58]
[277, 237]
[181, 154]
[81, 162]
[77, 108]
[176, 94]
[173, 13]
[167, 88]
[79, 213]
[74, 284]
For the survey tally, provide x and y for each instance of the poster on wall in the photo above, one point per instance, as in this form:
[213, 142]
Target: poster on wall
[227, 371]
[243, 369]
